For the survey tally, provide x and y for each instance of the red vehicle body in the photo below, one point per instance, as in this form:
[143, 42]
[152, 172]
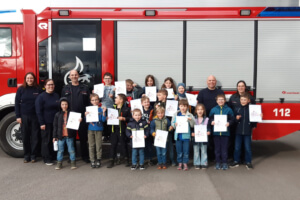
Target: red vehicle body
[34, 48]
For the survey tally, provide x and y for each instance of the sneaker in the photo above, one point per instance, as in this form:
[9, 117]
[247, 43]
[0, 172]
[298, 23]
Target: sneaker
[49, 163]
[58, 166]
[234, 164]
[98, 163]
[249, 166]
[133, 167]
[197, 166]
[73, 165]
[164, 166]
[224, 166]
[93, 164]
[142, 167]
[185, 167]
[179, 166]
[111, 164]
[204, 166]
[159, 167]
[217, 166]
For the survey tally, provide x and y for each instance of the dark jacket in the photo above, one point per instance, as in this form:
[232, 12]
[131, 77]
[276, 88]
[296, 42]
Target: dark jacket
[135, 126]
[123, 112]
[159, 124]
[225, 110]
[234, 101]
[58, 126]
[244, 126]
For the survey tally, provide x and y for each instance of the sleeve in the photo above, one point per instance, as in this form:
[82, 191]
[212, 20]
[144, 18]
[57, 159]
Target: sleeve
[174, 120]
[128, 131]
[112, 90]
[230, 117]
[211, 118]
[39, 109]
[127, 115]
[168, 124]
[63, 92]
[230, 102]
[102, 118]
[192, 122]
[151, 115]
[55, 126]
[146, 129]
[199, 97]
[17, 103]
[152, 127]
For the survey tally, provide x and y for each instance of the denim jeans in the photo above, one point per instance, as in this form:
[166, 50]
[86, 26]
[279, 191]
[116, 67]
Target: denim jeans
[161, 155]
[61, 148]
[221, 148]
[135, 152]
[182, 148]
[197, 147]
[239, 139]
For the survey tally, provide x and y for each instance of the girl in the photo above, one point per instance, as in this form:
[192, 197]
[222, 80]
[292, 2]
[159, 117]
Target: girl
[149, 82]
[169, 84]
[181, 91]
[200, 118]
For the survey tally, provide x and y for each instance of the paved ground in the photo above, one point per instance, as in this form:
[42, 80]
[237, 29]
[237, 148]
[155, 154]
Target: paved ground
[276, 176]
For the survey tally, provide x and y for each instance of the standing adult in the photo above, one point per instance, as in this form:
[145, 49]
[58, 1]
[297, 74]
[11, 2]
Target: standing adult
[46, 105]
[26, 116]
[234, 103]
[207, 97]
[78, 96]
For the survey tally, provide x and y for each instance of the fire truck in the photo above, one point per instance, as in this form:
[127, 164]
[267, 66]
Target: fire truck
[260, 45]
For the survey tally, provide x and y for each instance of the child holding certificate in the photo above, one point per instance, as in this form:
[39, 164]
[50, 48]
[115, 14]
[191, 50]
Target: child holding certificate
[161, 100]
[200, 119]
[136, 124]
[95, 130]
[183, 136]
[170, 86]
[243, 132]
[221, 138]
[64, 135]
[160, 123]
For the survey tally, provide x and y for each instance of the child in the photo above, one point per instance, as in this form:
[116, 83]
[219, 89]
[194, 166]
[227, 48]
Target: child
[64, 135]
[148, 115]
[133, 91]
[149, 82]
[95, 133]
[135, 124]
[164, 124]
[200, 119]
[183, 139]
[168, 84]
[221, 138]
[118, 131]
[243, 132]
[161, 100]
[181, 91]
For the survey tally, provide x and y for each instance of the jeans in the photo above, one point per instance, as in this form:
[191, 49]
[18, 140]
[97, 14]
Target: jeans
[161, 155]
[221, 148]
[115, 139]
[135, 152]
[182, 148]
[95, 144]
[61, 148]
[239, 139]
[197, 147]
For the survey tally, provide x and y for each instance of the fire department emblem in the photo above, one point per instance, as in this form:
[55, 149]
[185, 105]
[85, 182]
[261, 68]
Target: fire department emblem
[78, 67]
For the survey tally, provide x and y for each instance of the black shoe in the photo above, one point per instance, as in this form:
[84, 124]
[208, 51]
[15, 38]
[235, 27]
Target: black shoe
[204, 166]
[93, 164]
[197, 167]
[142, 167]
[111, 164]
[249, 166]
[234, 164]
[98, 163]
[134, 167]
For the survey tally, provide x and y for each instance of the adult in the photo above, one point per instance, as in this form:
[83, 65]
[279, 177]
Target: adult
[26, 116]
[207, 97]
[46, 105]
[78, 96]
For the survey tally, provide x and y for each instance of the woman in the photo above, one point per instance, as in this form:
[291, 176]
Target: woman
[26, 116]
[46, 105]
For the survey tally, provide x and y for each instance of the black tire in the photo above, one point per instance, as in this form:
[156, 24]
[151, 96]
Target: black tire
[9, 142]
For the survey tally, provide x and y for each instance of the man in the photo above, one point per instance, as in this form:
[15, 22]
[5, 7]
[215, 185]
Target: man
[78, 95]
[207, 97]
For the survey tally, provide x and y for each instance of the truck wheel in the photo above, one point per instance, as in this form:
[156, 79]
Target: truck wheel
[10, 136]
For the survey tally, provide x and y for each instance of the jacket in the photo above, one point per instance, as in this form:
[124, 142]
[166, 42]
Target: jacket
[134, 126]
[225, 110]
[234, 102]
[58, 126]
[160, 124]
[244, 126]
[191, 125]
[124, 111]
[98, 126]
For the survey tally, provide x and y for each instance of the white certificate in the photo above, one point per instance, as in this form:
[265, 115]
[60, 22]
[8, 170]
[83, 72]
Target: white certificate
[220, 123]
[200, 133]
[171, 107]
[161, 138]
[136, 104]
[182, 124]
[120, 87]
[170, 93]
[93, 115]
[112, 116]
[138, 140]
[99, 89]
[192, 99]
[151, 93]
[74, 120]
[255, 113]
[89, 44]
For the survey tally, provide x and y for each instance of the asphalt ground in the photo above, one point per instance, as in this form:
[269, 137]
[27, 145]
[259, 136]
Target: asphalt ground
[276, 175]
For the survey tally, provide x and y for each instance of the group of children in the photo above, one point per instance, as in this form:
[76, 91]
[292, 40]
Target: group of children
[152, 119]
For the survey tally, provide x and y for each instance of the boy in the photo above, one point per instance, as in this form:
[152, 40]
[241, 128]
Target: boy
[183, 139]
[161, 100]
[221, 138]
[95, 130]
[133, 91]
[135, 124]
[164, 124]
[118, 131]
[243, 132]
[64, 135]
[148, 115]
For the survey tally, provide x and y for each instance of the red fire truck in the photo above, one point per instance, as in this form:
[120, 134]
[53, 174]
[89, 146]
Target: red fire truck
[260, 45]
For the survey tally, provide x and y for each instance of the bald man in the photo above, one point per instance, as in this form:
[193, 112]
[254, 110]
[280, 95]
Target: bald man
[78, 96]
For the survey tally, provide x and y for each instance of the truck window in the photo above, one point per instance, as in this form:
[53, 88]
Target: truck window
[5, 42]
